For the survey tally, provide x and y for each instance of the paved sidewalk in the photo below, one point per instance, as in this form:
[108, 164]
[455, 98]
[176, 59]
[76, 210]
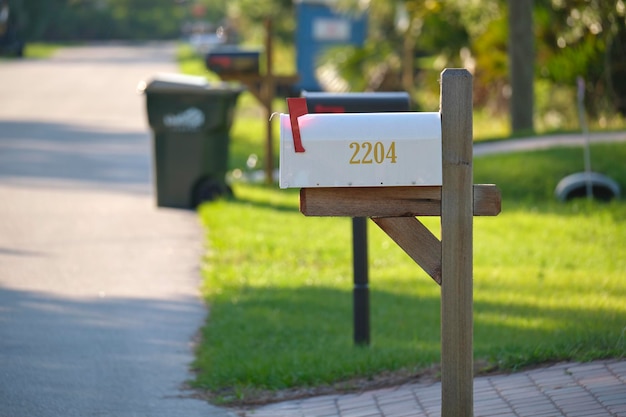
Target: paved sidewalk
[99, 296]
[593, 389]
[545, 142]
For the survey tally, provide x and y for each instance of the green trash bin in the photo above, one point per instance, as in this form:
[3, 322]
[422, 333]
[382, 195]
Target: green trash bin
[190, 119]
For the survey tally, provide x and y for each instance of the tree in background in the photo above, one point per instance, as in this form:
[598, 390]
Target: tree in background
[61, 20]
[586, 38]
[248, 16]
[404, 38]
[569, 38]
[34, 16]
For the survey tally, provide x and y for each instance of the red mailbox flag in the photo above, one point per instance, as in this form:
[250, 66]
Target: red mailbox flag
[297, 107]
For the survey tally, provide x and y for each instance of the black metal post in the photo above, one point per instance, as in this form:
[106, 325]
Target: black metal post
[361, 304]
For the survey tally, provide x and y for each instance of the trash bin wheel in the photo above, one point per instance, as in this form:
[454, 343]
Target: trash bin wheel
[209, 189]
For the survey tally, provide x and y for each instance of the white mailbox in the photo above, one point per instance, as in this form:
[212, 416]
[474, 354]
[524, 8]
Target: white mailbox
[360, 150]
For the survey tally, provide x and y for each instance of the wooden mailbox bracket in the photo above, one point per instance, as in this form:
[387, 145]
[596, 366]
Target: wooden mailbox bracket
[394, 210]
[448, 261]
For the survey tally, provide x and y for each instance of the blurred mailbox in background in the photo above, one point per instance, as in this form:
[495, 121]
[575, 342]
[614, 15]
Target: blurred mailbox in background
[361, 150]
[368, 102]
[231, 60]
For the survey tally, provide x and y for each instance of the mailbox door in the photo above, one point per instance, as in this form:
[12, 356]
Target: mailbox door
[362, 149]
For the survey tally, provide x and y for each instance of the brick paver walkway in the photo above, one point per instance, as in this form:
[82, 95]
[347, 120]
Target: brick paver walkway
[593, 389]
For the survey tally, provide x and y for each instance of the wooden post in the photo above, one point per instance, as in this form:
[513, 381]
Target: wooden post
[268, 96]
[449, 261]
[456, 244]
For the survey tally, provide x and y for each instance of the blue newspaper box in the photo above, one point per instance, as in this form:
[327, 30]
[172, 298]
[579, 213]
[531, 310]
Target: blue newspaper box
[321, 26]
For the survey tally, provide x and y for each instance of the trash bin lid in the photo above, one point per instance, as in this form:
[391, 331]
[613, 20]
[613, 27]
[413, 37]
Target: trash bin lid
[182, 83]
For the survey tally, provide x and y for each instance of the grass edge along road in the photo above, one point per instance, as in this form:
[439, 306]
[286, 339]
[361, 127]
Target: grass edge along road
[548, 285]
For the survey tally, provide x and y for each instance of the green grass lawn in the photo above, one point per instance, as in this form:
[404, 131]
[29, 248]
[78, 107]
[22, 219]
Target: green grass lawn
[549, 284]
[40, 50]
[35, 50]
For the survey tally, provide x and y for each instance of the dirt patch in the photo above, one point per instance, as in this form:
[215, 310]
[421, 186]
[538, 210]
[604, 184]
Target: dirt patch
[246, 398]
[243, 399]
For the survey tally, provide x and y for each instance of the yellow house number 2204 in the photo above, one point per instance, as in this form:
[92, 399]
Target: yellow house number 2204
[373, 153]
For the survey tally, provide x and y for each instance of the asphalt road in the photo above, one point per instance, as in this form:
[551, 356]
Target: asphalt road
[98, 288]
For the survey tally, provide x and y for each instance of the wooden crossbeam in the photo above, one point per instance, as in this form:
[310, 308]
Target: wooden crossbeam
[416, 240]
[394, 210]
[390, 201]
